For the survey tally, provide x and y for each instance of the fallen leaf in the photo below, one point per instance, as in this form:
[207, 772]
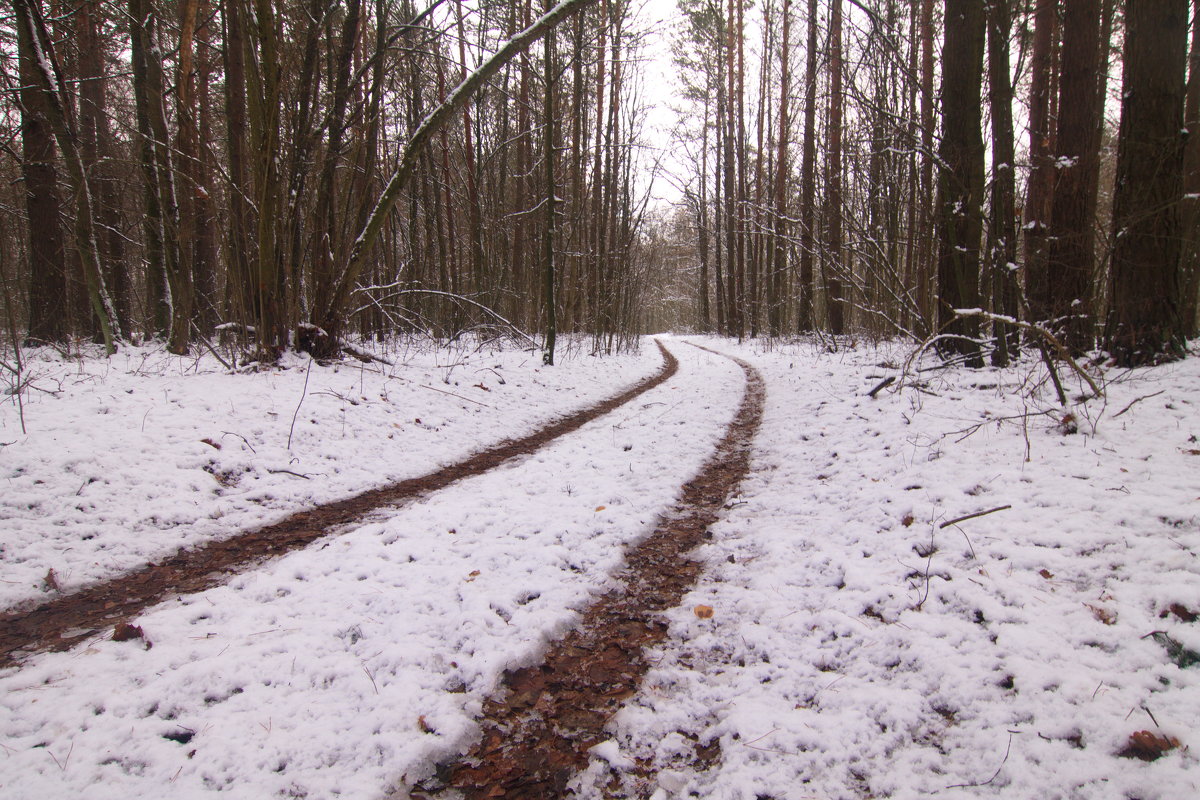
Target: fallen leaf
[601, 508]
[1148, 746]
[1102, 614]
[125, 632]
[211, 443]
[1045, 573]
[1180, 611]
[1192, 452]
[474, 574]
[51, 581]
[423, 725]
[703, 612]
[907, 521]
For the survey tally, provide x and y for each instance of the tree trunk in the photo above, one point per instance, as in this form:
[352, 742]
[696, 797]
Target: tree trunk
[833, 239]
[46, 75]
[1072, 245]
[1190, 208]
[808, 180]
[47, 253]
[548, 155]
[1145, 325]
[781, 230]
[1002, 230]
[1041, 174]
[961, 179]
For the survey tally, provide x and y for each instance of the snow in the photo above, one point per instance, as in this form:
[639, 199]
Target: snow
[857, 647]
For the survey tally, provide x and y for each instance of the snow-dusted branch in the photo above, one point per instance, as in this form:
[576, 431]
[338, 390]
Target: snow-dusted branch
[1049, 337]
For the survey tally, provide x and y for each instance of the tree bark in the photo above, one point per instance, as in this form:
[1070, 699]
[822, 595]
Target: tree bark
[1071, 256]
[1041, 173]
[960, 178]
[1190, 207]
[1002, 230]
[47, 253]
[833, 238]
[1145, 324]
[46, 75]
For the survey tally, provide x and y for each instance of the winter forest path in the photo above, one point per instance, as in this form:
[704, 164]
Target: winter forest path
[537, 733]
[61, 623]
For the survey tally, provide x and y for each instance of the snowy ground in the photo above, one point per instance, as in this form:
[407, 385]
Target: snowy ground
[858, 649]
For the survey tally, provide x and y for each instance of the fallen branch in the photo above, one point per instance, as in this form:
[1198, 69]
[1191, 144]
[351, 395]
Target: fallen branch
[452, 394]
[1134, 402]
[1058, 346]
[886, 382]
[948, 523]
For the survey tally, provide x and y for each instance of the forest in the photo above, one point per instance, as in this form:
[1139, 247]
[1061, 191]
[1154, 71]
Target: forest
[599, 399]
[274, 174]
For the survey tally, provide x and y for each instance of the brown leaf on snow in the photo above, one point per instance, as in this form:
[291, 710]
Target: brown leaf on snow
[423, 725]
[1148, 746]
[601, 508]
[1102, 614]
[474, 574]
[703, 612]
[125, 632]
[1045, 573]
[211, 443]
[1182, 612]
[51, 581]
[907, 521]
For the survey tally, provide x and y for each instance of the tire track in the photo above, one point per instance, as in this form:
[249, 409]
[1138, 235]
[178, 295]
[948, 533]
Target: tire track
[536, 736]
[63, 622]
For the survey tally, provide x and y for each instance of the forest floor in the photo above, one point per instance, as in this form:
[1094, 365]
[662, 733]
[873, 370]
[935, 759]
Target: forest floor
[852, 631]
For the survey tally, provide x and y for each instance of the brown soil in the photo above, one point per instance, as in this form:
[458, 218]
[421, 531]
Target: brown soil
[61, 623]
[537, 734]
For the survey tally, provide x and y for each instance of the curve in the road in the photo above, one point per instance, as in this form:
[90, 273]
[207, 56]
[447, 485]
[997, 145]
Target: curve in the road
[61, 623]
[536, 735]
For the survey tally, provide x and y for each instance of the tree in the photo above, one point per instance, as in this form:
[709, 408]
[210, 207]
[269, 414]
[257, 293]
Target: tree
[960, 177]
[1145, 324]
[1039, 189]
[833, 233]
[1002, 228]
[1071, 252]
[47, 266]
[59, 112]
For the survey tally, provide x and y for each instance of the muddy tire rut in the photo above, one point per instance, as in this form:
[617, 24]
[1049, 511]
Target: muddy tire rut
[537, 732]
[67, 620]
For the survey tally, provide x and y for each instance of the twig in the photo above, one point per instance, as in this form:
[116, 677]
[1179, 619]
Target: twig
[948, 523]
[372, 677]
[288, 472]
[304, 392]
[204, 341]
[1007, 750]
[243, 438]
[1138, 400]
[452, 394]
